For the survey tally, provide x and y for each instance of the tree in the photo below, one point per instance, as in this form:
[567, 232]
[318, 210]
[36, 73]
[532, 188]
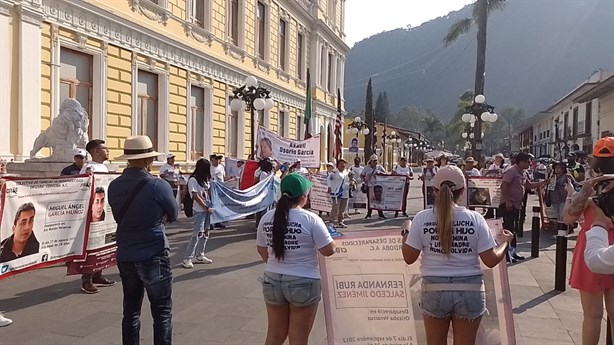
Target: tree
[369, 120]
[499, 136]
[481, 9]
[456, 126]
[382, 108]
[433, 129]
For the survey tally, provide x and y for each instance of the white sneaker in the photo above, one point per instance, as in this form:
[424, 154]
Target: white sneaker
[4, 321]
[187, 263]
[203, 260]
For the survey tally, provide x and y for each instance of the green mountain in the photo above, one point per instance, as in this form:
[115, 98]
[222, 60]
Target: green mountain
[537, 52]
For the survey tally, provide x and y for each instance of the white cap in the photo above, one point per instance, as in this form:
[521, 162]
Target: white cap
[81, 152]
[170, 155]
[450, 173]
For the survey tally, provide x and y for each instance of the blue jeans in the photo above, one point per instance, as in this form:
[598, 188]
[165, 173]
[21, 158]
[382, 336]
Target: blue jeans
[200, 235]
[154, 276]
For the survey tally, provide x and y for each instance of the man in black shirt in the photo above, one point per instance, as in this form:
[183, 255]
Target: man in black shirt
[22, 242]
[75, 168]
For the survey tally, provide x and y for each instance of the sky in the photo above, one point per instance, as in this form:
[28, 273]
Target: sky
[363, 19]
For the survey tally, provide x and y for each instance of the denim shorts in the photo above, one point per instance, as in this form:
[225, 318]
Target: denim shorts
[457, 304]
[284, 289]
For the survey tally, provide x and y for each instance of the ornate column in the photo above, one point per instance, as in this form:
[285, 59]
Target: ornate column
[29, 68]
[5, 84]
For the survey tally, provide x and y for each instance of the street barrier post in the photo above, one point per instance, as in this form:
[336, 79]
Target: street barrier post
[561, 258]
[535, 232]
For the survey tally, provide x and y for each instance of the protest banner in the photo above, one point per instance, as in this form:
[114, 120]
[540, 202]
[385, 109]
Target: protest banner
[386, 192]
[358, 199]
[101, 246]
[43, 221]
[230, 204]
[319, 198]
[271, 145]
[247, 176]
[483, 191]
[372, 297]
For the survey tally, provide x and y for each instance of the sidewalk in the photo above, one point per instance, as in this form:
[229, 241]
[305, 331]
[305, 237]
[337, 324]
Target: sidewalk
[221, 303]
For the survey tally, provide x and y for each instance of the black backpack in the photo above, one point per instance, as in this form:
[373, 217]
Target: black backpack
[188, 203]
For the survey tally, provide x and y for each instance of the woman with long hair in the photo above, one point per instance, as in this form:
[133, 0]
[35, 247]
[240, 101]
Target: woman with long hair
[198, 187]
[288, 240]
[452, 284]
[442, 161]
[594, 288]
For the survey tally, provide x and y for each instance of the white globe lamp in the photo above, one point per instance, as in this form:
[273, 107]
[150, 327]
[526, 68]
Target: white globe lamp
[354, 130]
[466, 117]
[464, 135]
[493, 117]
[485, 116]
[357, 119]
[268, 103]
[480, 99]
[259, 103]
[251, 81]
[236, 104]
[365, 131]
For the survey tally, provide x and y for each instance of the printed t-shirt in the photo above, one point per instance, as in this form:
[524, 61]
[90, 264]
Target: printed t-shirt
[427, 175]
[218, 173]
[203, 192]
[306, 233]
[404, 171]
[470, 237]
[516, 179]
[94, 167]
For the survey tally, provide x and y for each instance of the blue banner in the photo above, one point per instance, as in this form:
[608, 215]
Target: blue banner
[230, 204]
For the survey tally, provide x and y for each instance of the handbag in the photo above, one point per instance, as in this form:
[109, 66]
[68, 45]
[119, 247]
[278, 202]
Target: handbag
[547, 199]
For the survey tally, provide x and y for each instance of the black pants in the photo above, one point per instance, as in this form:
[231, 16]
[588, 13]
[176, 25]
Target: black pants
[511, 221]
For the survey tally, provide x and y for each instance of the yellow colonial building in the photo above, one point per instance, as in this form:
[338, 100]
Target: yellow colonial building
[167, 69]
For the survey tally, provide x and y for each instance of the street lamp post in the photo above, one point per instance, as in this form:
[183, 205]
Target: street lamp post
[255, 97]
[475, 115]
[394, 139]
[358, 127]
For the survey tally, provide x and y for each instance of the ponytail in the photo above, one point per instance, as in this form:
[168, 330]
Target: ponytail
[280, 224]
[444, 213]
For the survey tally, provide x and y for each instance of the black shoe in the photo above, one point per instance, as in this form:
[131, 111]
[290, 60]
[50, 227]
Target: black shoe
[405, 214]
[396, 214]
[368, 216]
[517, 257]
[220, 226]
[381, 216]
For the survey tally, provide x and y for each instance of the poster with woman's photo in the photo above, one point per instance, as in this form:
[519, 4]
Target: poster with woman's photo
[484, 191]
[271, 145]
[43, 221]
[386, 192]
[101, 245]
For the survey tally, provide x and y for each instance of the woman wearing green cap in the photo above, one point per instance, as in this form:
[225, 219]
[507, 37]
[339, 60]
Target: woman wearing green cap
[288, 240]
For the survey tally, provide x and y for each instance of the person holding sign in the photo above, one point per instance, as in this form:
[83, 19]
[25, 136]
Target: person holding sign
[339, 185]
[403, 169]
[428, 173]
[288, 241]
[368, 176]
[452, 240]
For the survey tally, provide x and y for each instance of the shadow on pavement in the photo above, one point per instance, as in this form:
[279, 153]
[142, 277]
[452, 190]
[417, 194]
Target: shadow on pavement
[196, 273]
[536, 301]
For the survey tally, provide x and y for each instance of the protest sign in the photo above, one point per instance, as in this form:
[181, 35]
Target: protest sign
[319, 198]
[372, 297]
[43, 221]
[483, 191]
[386, 192]
[230, 204]
[101, 246]
[271, 145]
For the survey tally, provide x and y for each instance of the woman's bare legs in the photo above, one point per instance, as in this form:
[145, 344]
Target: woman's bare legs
[465, 331]
[301, 322]
[592, 311]
[436, 330]
[278, 324]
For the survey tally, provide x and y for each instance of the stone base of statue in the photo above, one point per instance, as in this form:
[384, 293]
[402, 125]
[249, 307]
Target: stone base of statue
[34, 168]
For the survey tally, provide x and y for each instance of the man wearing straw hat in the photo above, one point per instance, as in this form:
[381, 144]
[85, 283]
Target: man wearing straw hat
[141, 205]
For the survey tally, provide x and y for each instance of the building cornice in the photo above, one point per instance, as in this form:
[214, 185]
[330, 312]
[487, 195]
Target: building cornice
[5, 7]
[30, 14]
[89, 20]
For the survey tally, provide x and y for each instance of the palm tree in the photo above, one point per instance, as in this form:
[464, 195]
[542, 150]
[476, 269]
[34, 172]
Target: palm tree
[481, 9]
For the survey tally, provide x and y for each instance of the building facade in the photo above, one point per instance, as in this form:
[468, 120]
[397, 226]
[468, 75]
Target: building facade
[167, 69]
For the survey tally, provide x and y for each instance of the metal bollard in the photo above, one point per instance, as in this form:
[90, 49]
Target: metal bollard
[535, 232]
[608, 335]
[560, 265]
[520, 226]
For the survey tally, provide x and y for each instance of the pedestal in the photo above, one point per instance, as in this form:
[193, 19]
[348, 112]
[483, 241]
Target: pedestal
[43, 169]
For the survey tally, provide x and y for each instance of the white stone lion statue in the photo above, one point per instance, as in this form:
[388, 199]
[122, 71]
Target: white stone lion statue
[67, 132]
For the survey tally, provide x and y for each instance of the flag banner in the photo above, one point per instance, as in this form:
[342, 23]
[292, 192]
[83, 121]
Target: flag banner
[371, 296]
[386, 192]
[230, 204]
[271, 145]
[319, 198]
[484, 191]
[101, 246]
[43, 221]
[247, 175]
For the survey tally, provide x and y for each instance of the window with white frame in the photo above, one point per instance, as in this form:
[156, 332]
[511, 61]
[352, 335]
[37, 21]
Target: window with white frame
[197, 125]
[76, 80]
[198, 13]
[299, 127]
[283, 42]
[332, 7]
[147, 105]
[323, 66]
[260, 117]
[281, 125]
[330, 80]
[261, 28]
[233, 22]
[300, 52]
[232, 131]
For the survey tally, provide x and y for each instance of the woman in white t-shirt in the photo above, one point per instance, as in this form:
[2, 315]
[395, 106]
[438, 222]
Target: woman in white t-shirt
[198, 187]
[288, 240]
[451, 238]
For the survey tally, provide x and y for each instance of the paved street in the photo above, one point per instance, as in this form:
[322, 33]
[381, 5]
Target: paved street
[222, 303]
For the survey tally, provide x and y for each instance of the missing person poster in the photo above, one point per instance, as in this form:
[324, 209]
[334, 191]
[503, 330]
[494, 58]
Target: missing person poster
[271, 145]
[484, 191]
[230, 204]
[319, 197]
[101, 246]
[386, 192]
[43, 222]
[372, 297]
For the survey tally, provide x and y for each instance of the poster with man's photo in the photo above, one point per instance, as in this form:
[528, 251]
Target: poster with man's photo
[484, 191]
[271, 145]
[101, 247]
[43, 221]
[319, 197]
[386, 192]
